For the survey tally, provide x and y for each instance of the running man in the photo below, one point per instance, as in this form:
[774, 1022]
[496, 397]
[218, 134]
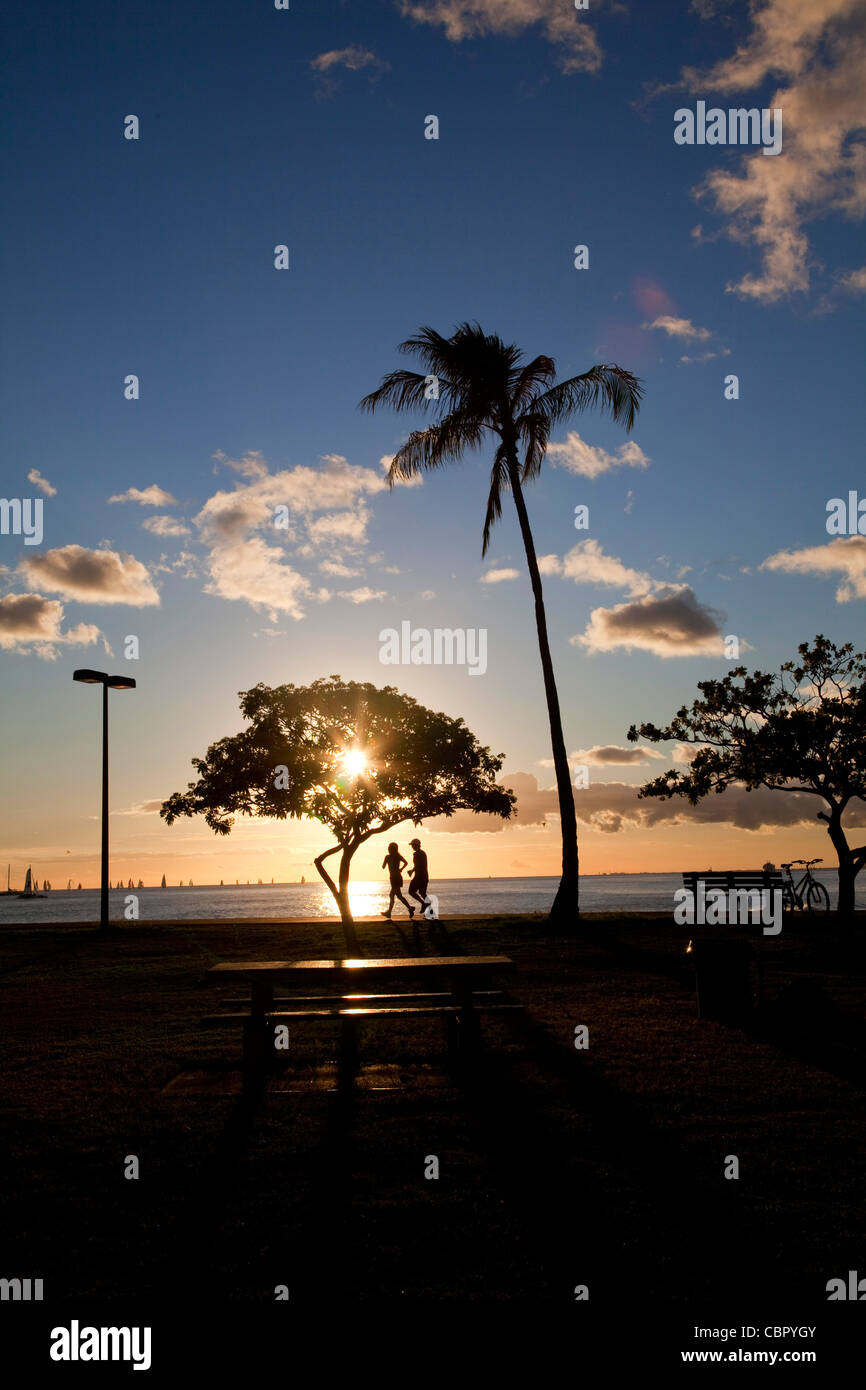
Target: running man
[420, 875]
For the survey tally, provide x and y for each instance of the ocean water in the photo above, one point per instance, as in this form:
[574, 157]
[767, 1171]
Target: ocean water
[457, 896]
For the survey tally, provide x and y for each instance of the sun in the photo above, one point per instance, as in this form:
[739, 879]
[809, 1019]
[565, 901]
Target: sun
[354, 761]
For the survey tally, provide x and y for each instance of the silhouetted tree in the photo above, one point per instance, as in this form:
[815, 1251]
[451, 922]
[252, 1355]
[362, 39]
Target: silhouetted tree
[802, 730]
[484, 389]
[296, 760]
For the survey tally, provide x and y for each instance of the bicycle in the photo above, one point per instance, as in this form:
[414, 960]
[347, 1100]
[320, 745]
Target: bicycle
[808, 894]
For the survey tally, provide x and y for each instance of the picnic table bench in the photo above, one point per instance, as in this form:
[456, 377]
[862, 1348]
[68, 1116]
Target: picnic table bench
[455, 988]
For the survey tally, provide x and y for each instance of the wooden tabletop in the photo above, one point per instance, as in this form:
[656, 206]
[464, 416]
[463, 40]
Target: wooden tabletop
[374, 965]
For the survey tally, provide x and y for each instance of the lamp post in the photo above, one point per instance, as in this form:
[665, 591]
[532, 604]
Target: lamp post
[87, 677]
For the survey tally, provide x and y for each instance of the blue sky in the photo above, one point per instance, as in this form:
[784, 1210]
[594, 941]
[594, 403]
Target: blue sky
[306, 127]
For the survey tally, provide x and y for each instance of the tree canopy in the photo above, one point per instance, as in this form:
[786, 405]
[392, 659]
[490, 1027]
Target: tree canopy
[358, 758]
[801, 729]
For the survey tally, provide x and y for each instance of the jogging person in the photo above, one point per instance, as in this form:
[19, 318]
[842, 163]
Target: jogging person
[420, 875]
[394, 862]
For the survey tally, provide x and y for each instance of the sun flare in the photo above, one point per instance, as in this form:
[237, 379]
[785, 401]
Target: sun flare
[354, 761]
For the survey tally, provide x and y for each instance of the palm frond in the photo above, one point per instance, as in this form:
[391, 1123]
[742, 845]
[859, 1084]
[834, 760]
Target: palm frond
[400, 389]
[498, 484]
[439, 444]
[539, 372]
[533, 429]
[611, 388]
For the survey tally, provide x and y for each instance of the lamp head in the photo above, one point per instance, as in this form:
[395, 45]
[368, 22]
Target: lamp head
[88, 677]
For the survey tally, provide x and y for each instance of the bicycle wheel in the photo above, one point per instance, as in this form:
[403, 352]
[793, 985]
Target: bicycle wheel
[817, 898]
[789, 902]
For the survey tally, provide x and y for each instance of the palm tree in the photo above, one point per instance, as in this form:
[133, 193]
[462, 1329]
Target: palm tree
[480, 385]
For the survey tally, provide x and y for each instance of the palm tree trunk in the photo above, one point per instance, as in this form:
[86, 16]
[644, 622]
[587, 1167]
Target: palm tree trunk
[565, 904]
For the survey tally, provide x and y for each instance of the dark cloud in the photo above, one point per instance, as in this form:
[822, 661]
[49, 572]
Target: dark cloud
[96, 576]
[608, 806]
[672, 622]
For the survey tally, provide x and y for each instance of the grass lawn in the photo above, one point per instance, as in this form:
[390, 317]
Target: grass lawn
[558, 1167]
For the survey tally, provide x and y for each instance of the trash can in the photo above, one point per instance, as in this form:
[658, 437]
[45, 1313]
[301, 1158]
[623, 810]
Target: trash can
[723, 979]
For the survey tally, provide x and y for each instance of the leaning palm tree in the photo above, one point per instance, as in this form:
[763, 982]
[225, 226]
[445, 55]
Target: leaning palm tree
[478, 385]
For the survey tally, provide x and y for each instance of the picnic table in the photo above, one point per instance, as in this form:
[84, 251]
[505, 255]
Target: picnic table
[456, 988]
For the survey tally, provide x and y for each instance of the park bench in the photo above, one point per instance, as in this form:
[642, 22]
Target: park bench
[353, 999]
[754, 881]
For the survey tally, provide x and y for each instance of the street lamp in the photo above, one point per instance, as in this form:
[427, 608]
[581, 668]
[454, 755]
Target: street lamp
[87, 677]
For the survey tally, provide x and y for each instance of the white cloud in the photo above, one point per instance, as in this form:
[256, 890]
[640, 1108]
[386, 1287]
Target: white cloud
[818, 51]
[339, 570]
[671, 622]
[679, 328]
[363, 595]
[549, 564]
[499, 576]
[852, 282]
[346, 528]
[36, 478]
[587, 563]
[845, 555]
[165, 526]
[576, 45]
[354, 58]
[94, 576]
[246, 552]
[153, 496]
[250, 570]
[589, 461]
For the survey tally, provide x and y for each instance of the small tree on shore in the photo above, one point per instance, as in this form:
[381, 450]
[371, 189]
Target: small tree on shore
[802, 730]
[357, 758]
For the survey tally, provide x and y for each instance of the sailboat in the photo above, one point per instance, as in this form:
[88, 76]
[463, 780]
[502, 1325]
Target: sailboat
[8, 878]
[69, 885]
[140, 882]
[162, 885]
[31, 890]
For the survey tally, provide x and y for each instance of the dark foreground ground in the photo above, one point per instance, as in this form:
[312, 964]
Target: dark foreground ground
[558, 1168]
